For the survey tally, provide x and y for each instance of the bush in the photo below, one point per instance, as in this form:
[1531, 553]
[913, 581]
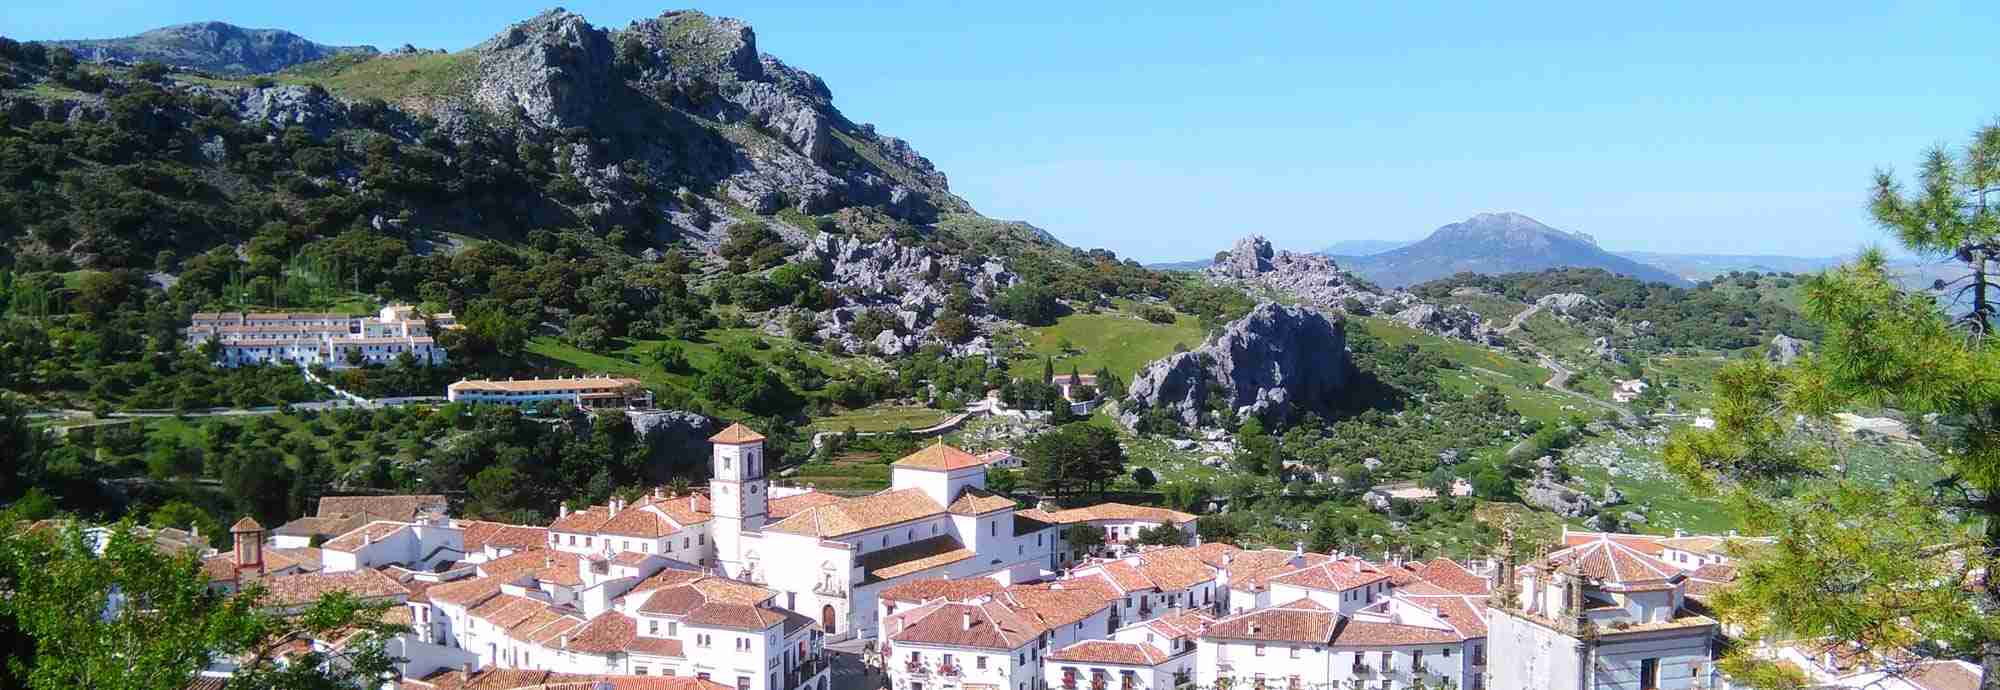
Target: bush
[1156, 314]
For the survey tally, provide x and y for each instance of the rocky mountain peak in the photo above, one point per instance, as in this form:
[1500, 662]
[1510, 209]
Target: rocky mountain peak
[212, 46]
[1509, 228]
[553, 70]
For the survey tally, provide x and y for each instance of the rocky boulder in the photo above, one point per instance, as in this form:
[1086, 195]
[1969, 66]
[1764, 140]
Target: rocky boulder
[1570, 306]
[1783, 349]
[675, 440]
[553, 70]
[1550, 495]
[1317, 280]
[1277, 363]
[1451, 321]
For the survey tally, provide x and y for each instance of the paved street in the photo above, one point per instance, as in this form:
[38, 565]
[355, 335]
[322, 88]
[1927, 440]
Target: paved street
[848, 673]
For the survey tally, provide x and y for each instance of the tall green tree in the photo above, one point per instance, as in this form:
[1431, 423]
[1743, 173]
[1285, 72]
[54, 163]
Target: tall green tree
[1898, 571]
[1073, 459]
[71, 623]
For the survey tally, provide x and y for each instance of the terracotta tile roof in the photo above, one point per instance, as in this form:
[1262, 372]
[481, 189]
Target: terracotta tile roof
[1333, 575]
[315, 526]
[685, 511]
[914, 557]
[356, 538]
[610, 632]
[546, 565]
[656, 646]
[587, 521]
[1110, 652]
[466, 593]
[1250, 571]
[1120, 511]
[587, 385]
[478, 534]
[986, 625]
[1058, 603]
[221, 567]
[1181, 623]
[1026, 525]
[1644, 543]
[859, 514]
[1615, 565]
[713, 601]
[247, 524]
[976, 501]
[1705, 581]
[1450, 575]
[1176, 568]
[522, 679]
[670, 577]
[1302, 621]
[640, 521]
[939, 457]
[1216, 553]
[781, 508]
[1465, 613]
[305, 588]
[401, 508]
[736, 434]
[207, 683]
[1359, 632]
[950, 590]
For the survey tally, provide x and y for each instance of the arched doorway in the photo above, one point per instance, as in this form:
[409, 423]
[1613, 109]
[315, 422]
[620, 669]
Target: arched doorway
[826, 618]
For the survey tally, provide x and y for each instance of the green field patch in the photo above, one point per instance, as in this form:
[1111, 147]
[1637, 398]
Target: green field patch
[1117, 340]
[880, 418]
[390, 78]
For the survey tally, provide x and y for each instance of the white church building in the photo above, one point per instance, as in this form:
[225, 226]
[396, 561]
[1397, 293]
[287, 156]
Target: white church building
[827, 556]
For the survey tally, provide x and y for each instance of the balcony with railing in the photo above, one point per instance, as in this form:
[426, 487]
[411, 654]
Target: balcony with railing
[950, 670]
[916, 669]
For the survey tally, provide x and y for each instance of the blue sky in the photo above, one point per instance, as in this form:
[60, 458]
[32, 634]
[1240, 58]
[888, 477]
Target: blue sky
[1167, 129]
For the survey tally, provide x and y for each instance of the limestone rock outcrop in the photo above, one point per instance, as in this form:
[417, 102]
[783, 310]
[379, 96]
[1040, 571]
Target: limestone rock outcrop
[1317, 280]
[1277, 363]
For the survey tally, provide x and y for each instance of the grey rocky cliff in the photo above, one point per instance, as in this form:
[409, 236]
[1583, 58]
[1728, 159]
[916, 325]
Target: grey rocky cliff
[1571, 307]
[672, 437]
[1317, 280]
[1276, 363]
[912, 283]
[553, 70]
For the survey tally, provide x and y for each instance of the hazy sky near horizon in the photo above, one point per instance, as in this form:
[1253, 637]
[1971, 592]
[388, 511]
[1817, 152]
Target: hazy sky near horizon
[1165, 130]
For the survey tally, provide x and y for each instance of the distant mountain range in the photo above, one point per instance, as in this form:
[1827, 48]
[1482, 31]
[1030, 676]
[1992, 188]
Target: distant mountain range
[1497, 243]
[212, 47]
[1509, 242]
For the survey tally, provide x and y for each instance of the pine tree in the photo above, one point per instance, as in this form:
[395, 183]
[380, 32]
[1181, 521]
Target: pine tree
[1897, 571]
[1048, 370]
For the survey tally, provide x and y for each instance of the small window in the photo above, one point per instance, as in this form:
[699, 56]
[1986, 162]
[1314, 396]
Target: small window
[1260, 650]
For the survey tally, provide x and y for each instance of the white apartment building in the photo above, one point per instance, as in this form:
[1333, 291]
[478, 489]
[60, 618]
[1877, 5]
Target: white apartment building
[1598, 615]
[1157, 654]
[1304, 644]
[630, 614]
[996, 641]
[1121, 522]
[586, 392]
[334, 341]
[1156, 581]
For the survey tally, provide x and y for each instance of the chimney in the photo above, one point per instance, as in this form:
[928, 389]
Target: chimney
[1438, 611]
[548, 561]
[1678, 533]
[968, 619]
[691, 505]
[465, 669]
[562, 642]
[616, 505]
[367, 537]
[1253, 628]
[562, 510]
